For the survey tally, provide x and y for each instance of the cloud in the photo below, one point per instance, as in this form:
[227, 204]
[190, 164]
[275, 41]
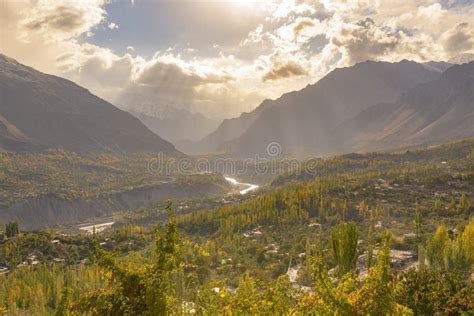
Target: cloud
[365, 40]
[112, 26]
[300, 26]
[165, 75]
[107, 69]
[352, 8]
[283, 9]
[284, 70]
[169, 80]
[254, 36]
[166, 68]
[458, 38]
[281, 46]
[58, 20]
[432, 19]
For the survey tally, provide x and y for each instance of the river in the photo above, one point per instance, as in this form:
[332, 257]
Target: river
[98, 227]
[250, 187]
[103, 226]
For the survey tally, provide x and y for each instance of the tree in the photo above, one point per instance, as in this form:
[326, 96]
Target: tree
[370, 247]
[344, 239]
[436, 248]
[452, 204]
[375, 297]
[460, 251]
[464, 203]
[468, 239]
[12, 229]
[152, 290]
[428, 292]
[64, 308]
[457, 257]
[418, 221]
[444, 253]
[333, 300]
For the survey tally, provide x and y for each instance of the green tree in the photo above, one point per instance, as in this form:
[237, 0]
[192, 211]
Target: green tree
[457, 257]
[460, 251]
[444, 253]
[464, 203]
[333, 299]
[468, 240]
[418, 222]
[12, 229]
[344, 239]
[375, 297]
[64, 308]
[436, 248]
[428, 292]
[151, 290]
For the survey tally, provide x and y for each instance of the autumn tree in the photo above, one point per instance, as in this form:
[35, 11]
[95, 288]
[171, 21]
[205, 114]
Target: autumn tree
[436, 248]
[64, 307]
[428, 292]
[375, 297]
[333, 299]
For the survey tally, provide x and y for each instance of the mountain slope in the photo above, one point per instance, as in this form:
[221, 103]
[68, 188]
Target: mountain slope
[39, 111]
[228, 130]
[437, 111]
[178, 125]
[302, 120]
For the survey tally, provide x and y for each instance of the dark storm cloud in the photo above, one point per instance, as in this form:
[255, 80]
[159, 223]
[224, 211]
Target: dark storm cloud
[286, 70]
[63, 18]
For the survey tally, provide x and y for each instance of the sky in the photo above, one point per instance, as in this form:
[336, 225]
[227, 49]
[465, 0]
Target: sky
[223, 57]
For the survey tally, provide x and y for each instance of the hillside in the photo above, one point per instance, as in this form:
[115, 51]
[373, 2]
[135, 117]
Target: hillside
[228, 130]
[434, 112]
[39, 111]
[277, 252]
[303, 120]
[178, 125]
[57, 187]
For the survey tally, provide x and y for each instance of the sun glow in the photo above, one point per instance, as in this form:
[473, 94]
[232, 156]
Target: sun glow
[244, 4]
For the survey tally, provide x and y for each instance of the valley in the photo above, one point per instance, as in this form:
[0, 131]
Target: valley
[275, 231]
[351, 196]
[60, 187]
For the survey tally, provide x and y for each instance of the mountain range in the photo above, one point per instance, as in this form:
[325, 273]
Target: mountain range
[177, 125]
[371, 105]
[173, 121]
[40, 111]
[434, 112]
[368, 106]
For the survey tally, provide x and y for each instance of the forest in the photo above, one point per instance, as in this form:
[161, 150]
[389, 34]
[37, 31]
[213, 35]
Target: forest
[236, 157]
[381, 233]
